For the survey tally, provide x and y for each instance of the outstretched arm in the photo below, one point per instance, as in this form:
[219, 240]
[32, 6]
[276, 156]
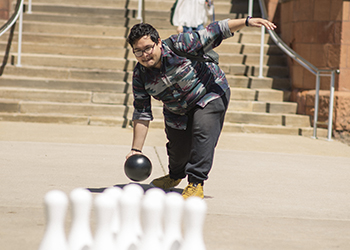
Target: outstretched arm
[237, 24]
[139, 137]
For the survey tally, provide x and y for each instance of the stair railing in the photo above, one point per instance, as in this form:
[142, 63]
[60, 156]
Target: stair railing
[307, 65]
[18, 14]
[29, 7]
[250, 8]
[141, 11]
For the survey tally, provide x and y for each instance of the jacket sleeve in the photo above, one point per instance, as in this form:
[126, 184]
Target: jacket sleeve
[142, 100]
[203, 40]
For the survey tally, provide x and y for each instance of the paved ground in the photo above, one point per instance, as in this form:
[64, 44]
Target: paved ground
[264, 192]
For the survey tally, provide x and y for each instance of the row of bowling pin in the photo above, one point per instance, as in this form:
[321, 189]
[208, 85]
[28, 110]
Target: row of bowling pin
[126, 219]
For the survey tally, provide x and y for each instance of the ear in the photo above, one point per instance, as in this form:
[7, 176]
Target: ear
[159, 42]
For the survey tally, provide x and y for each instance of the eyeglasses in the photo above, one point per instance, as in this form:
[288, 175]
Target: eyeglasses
[148, 51]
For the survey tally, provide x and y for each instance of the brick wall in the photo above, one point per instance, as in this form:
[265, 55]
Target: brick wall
[4, 9]
[271, 6]
[313, 29]
[344, 82]
[319, 31]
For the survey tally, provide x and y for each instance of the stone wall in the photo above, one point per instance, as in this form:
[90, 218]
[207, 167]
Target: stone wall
[319, 31]
[271, 7]
[344, 82]
[4, 9]
[306, 105]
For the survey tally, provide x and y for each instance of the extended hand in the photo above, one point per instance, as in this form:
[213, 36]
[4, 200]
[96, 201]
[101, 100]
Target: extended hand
[258, 22]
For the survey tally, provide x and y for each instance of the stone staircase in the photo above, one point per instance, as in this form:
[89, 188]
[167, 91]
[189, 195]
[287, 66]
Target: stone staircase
[77, 68]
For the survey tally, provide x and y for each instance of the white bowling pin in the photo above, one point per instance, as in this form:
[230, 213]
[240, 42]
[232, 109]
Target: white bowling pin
[137, 191]
[104, 208]
[151, 217]
[134, 189]
[115, 193]
[80, 237]
[56, 204]
[130, 230]
[173, 210]
[194, 215]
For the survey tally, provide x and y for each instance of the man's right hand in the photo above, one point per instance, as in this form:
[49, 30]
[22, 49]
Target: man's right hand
[132, 152]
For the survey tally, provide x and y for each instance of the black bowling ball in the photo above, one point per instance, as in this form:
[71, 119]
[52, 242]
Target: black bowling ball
[138, 167]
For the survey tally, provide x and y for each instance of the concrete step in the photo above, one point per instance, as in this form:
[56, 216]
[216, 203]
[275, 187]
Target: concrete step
[221, 6]
[253, 70]
[239, 48]
[68, 49]
[156, 123]
[243, 88]
[265, 129]
[258, 83]
[118, 20]
[228, 58]
[99, 11]
[67, 74]
[237, 81]
[66, 18]
[108, 43]
[66, 119]
[74, 10]
[64, 96]
[9, 105]
[81, 62]
[248, 59]
[257, 118]
[45, 95]
[250, 95]
[288, 120]
[256, 94]
[257, 129]
[82, 40]
[73, 29]
[64, 84]
[105, 3]
[263, 107]
[79, 109]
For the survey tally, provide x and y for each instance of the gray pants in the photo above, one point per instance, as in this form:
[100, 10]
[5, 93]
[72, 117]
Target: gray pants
[191, 151]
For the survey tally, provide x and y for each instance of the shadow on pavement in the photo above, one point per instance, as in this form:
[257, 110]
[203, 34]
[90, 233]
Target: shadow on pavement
[144, 186]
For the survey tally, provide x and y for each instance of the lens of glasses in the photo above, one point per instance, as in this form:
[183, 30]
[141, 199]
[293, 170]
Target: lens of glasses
[148, 50]
[139, 53]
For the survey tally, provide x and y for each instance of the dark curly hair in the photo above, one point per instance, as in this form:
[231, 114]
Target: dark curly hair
[142, 29]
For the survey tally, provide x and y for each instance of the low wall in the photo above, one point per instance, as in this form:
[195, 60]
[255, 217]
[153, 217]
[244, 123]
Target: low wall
[341, 111]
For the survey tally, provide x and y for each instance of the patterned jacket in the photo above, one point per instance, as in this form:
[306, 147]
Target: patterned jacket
[181, 83]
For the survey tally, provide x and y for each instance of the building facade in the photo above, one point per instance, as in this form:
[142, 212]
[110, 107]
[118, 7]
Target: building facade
[319, 31]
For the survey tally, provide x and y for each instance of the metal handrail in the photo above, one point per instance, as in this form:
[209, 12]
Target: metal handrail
[18, 14]
[307, 65]
[13, 18]
[141, 11]
[250, 7]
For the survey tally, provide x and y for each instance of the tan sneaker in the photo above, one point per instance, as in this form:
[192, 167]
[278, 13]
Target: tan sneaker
[165, 182]
[193, 190]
